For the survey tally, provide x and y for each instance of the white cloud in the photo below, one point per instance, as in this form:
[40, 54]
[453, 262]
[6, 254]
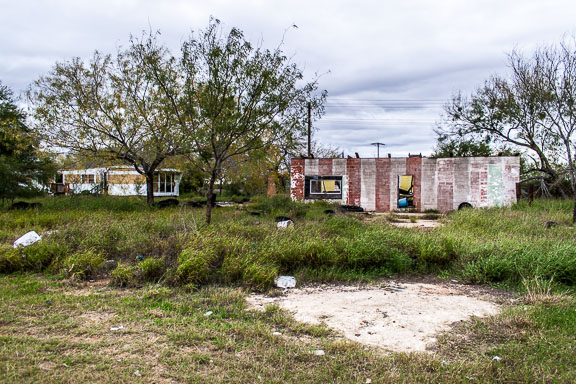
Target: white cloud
[379, 50]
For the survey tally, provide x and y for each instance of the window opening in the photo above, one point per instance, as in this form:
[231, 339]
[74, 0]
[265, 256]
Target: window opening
[406, 191]
[165, 183]
[325, 186]
[87, 179]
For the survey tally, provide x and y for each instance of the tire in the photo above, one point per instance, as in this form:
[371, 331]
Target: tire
[465, 205]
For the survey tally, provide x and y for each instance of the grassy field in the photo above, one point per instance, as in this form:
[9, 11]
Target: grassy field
[55, 323]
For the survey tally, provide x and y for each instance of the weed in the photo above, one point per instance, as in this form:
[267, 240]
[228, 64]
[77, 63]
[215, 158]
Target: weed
[83, 265]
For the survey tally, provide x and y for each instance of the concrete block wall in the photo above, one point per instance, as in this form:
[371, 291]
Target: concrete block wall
[441, 184]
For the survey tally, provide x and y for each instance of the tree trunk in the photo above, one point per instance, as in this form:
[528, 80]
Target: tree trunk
[209, 195]
[574, 211]
[271, 184]
[150, 188]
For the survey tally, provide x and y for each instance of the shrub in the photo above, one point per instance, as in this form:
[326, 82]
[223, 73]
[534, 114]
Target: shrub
[194, 264]
[83, 265]
[259, 275]
[152, 269]
[42, 254]
[10, 259]
[124, 275]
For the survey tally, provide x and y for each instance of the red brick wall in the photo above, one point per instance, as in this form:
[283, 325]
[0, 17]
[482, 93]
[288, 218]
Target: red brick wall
[353, 170]
[325, 167]
[382, 184]
[414, 168]
[297, 179]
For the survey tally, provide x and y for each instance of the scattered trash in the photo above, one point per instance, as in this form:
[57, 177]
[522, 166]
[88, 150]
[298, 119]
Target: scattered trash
[137, 373]
[368, 381]
[351, 208]
[285, 282]
[28, 239]
[117, 328]
[454, 281]
[496, 358]
[195, 204]
[319, 352]
[277, 333]
[279, 219]
[284, 224]
[208, 313]
[24, 205]
[445, 362]
[140, 257]
[551, 224]
[48, 302]
[329, 212]
[167, 203]
[66, 365]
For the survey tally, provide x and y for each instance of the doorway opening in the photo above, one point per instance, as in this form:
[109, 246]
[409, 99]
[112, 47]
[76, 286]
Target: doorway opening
[406, 191]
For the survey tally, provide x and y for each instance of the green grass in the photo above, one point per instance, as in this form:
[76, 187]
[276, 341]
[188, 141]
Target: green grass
[55, 326]
[497, 246]
[56, 331]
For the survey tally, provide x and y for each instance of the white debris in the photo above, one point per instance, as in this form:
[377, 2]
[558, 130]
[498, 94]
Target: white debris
[28, 239]
[496, 358]
[117, 328]
[277, 333]
[285, 282]
[368, 381]
[208, 313]
[284, 224]
[137, 373]
[319, 352]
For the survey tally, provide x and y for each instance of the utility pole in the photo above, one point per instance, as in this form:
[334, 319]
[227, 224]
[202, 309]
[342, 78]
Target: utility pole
[309, 130]
[378, 145]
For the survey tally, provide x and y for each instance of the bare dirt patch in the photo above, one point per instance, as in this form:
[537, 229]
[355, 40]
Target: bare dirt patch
[396, 316]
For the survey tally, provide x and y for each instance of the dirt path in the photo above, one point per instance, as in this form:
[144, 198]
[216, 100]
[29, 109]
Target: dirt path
[397, 316]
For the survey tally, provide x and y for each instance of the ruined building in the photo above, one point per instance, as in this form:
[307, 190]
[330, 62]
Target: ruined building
[420, 183]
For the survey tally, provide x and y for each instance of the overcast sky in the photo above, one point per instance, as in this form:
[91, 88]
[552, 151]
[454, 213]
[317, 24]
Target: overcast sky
[388, 66]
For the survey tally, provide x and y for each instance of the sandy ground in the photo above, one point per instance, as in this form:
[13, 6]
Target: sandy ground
[397, 316]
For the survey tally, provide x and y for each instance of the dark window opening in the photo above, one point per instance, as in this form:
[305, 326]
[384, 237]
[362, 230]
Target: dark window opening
[323, 187]
[59, 178]
[406, 191]
[87, 179]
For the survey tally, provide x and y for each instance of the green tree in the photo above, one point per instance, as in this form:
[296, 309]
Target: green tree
[532, 110]
[119, 108]
[23, 168]
[460, 146]
[239, 98]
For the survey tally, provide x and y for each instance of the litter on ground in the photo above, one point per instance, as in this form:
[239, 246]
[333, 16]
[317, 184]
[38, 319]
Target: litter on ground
[28, 239]
[285, 282]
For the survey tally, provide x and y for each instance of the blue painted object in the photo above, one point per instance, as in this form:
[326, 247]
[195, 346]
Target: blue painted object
[403, 203]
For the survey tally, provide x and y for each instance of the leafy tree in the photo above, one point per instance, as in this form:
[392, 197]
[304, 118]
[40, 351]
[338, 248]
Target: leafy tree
[459, 146]
[118, 108]
[532, 110]
[240, 98]
[23, 168]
